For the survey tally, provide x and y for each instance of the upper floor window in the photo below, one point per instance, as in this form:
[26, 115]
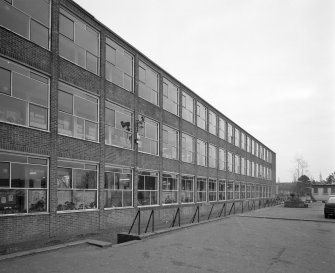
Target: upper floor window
[212, 185]
[119, 65]
[28, 19]
[248, 144]
[237, 164]
[201, 153]
[23, 184]
[253, 169]
[77, 113]
[201, 189]
[257, 149]
[118, 187]
[222, 128]
[148, 83]
[222, 160]
[147, 193]
[170, 143]
[237, 137]
[187, 147]
[187, 107]
[170, 97]
[149, 136]
[230, 133]
[248, 168]
[24, 96]
[78, 42]
[118, 126]
[169, 188]
[201, 116]
[243, 141]
[187, 189]
[242, 165]
[230, 162]
[212, 158]
[253, 147]
[212, 122]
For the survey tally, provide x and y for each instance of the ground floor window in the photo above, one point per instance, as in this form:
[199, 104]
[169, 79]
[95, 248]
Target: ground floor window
[23, 184]
[222, 190]
[242, 191]
[77, 185]
[147, 194]
[212, 190]
[187, 189]
[230, 190]
[248, 188]
[237, 190]
[118, 187]
[201, 189]
[169, 188]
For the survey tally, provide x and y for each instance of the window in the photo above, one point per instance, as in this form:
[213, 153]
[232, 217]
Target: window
[230, 133]
[230, 190]
[248, 191]
[118, 187]
[212, 189]
[248, 168]
[237, 164]
[78, 42]
[170, 143]
[169, 188]
[147, 194]
[242, 165]
[119, 65]
[253, 169]
[212, 122]
[170, 97]
[222, 128]
[253, 147]
[24, 96]
[325, 191]
[187, 189]
[257, 149]
[248, 144]
[201, 189]
[256, 170]
[118, 126]
[187, 107]
[242, 191]
[237, 137]
[222, 190]
[230, 162]
[237, 190]
[212, 159]
[222, 160]
[77, 185]
[30, 20]
[243, 141]
[201, 116]
[77, 113]
[23, 184]
[148, 83]
[149, 136]
[315, 190]
[332, 190]
[187, 146]
[201, 153]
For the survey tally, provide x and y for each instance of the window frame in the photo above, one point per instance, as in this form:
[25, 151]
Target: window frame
[212, 122]
[200, 117]
[203, 156]
[166, 98]
[222, 131]
[221, 192]
[151, 121]
[212, 192]
[185, 178]
[185, 151]
[164, 144]
[142, 64]
[176, 191]
[184, 107]
[203, 192]
[146, 190]
[211, 158]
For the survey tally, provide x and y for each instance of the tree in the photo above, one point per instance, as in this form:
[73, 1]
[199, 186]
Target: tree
[303, 185]
[331, 178]
[301, 165]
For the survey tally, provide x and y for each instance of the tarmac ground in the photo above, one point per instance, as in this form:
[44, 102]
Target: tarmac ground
[272, 239]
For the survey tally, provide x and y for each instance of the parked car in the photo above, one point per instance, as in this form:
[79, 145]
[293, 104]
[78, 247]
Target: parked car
[329, 208]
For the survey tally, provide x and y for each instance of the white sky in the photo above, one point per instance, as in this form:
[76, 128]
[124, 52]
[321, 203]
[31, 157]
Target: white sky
[267, 65]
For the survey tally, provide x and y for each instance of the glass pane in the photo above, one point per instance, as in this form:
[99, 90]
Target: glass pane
[39, 34]
[91, 130]
[111, 54]
[66, 27]
[72, 52]
[37, 201]
[38, 117]
[38, 9]
[127, 198]
[86, 40]
[19, 176]
[65, 124]
[124, 62]
[79, 127]
[5, 82]
[85, 199]
[84, 179]
[140, 182]
[117, 76]
[91, 63]
[36, 175]
[150, 183]
[12, 201]
[151, 131]
[109, 180]
[65, 102]
[14, 19]
[85, 109]
[113, 199]
[13, 110]
[29, 89]
[4, 174]
[128, 82]
[64, 178]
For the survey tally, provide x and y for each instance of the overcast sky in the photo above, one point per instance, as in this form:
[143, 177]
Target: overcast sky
[267, 65]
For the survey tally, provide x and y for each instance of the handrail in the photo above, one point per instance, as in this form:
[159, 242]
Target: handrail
[209, 216]
[196, 211]
[232, 206]
[138, 214]
[152, 214]
[175, 216]
[223, 207]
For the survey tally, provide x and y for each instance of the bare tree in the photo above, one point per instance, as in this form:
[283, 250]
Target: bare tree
[301, 166]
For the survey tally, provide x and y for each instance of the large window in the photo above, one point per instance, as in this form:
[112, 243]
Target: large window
[77, 185]
[237, 164]
[212, 184]
[170, 143]
[222, 190]
[118, 187]
[237, 137]
[230, 162]
[230, 133]
[212, 122]
[78, 42]
[248, 191]
[201, 153]
[169, 188]
[187, 189]
[201, 116]
[222, 128]
[243, 141]
[24, 96]
[253, 147]
[187, 146]
[118, 126]
[77, 113]
[119, 65]
[148, 83]
[222, 160]
[237, 190]
[187, 107]
[147, 194]
[23, 184]
[230, 190]
[242, 165]
[170, 97]
[248, 144]
[212, 158]
[201, 189]
[248, 168]
[253, 170]
[148, 130]
[28, 19]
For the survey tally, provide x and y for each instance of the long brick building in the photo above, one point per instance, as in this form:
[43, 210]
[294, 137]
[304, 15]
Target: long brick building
[91, 130]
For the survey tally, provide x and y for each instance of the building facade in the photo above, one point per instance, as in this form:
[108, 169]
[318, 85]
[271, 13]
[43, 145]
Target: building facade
[91, 130]
[321, 192]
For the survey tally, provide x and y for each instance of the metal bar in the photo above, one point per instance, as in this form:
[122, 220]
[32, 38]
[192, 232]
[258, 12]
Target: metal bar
[179, 216]
[132, 225]
[198, 214]
[209, 216]
[146, 229]
[231, 208]
[224, 205]
[139, 222]
[175, 217]
[193, 218]
[254, 205]
[242, 206]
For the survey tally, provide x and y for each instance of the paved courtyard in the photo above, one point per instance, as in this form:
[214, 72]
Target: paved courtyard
[254, 242]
